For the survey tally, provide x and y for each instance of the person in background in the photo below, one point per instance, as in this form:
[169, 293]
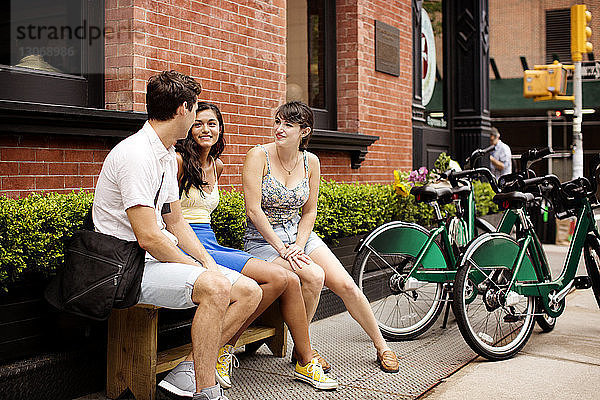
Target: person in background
[500, 157]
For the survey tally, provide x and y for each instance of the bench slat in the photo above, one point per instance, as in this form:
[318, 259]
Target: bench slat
[168, 359]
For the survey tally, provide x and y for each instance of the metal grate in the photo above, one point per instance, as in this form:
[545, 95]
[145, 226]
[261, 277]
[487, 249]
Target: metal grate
[558, 35]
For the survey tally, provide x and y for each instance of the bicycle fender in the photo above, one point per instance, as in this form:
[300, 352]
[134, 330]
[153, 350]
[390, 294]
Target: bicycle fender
[485, 226]
[405, 238]
[497, 250]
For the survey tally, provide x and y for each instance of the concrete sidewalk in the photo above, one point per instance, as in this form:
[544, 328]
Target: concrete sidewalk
[564, 363]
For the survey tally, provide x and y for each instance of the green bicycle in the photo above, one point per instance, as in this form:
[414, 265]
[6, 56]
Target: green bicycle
[504, 285]
[405, 272]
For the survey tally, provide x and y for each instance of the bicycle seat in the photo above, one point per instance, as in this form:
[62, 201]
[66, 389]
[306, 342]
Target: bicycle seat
[513, 199]
[428, 194]
[461, 192]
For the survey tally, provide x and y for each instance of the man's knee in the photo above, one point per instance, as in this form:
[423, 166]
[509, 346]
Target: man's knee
[247, 290]
[211, 286]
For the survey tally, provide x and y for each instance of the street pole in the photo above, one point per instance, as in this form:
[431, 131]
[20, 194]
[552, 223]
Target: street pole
[549, 126]
[577, 116]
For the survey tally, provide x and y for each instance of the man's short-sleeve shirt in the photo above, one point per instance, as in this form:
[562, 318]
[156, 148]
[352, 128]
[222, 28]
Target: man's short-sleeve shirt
[503, 154]
[131, 176]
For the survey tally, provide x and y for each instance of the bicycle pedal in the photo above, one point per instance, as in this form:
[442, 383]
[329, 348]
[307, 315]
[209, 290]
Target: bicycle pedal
[512, 318]
[582, 282]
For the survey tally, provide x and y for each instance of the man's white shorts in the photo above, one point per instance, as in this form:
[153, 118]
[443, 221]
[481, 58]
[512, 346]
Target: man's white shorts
[170, 285]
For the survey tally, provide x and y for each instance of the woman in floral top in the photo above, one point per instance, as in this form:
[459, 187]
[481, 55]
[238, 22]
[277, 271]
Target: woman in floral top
[281, 186]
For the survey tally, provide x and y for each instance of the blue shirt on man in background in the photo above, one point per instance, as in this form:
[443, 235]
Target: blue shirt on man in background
[500, 157]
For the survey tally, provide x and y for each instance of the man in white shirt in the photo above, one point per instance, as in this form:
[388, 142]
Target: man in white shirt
[500, 157]
[137, 198]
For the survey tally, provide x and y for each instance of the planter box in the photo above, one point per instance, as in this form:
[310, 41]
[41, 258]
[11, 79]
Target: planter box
[23, 321]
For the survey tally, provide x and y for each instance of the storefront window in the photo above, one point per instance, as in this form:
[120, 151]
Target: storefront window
[311, 57]
[432, 64]
[51, 51]
[48, 39]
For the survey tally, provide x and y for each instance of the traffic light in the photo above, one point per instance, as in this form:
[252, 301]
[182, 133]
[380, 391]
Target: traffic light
[580, 32]
[546, 82]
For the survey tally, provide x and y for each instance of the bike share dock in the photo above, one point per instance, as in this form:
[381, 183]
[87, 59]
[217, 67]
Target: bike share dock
[572, 351]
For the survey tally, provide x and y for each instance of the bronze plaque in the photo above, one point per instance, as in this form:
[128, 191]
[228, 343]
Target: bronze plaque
[387, 48]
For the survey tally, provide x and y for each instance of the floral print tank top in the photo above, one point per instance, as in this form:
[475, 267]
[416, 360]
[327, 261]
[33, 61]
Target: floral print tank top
[279, 203]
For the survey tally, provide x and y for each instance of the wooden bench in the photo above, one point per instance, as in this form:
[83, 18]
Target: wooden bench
[133, 360]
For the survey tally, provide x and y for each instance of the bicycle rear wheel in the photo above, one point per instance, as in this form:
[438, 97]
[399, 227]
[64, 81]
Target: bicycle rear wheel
[401, 314]
[591, 254]
[494, 325]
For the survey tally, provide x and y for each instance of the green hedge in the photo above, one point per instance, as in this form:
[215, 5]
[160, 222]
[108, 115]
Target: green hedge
[33, 229]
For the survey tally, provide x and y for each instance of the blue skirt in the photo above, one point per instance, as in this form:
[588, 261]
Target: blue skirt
[231, 258]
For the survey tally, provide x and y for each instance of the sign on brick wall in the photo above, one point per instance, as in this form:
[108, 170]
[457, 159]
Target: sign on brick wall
[387, 48]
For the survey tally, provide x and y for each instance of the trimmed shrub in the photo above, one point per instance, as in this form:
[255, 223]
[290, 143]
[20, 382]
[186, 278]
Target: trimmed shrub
[33, 229]
[229, 219]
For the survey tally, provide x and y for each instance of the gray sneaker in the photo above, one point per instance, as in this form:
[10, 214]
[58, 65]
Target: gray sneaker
[181, 381]
[211, 393]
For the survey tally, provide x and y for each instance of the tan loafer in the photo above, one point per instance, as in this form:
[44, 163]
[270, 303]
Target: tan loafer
[388, 361]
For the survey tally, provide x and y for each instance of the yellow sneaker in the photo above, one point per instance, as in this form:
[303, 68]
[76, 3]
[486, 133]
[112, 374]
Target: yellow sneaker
[313, 373]
[225, 363]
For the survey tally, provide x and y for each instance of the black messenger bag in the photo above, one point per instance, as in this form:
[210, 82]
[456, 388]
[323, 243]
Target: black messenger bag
[100, 272]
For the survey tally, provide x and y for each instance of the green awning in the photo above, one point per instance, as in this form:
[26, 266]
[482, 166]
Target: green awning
[507, 94]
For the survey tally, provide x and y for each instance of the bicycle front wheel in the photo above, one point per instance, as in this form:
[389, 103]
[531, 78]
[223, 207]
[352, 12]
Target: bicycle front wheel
[495, 322]
[402, 313]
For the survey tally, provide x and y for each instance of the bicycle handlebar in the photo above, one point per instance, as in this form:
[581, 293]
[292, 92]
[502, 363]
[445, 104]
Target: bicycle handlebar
[545, 180]
[454, 176]
[477, 154]
[534, 155]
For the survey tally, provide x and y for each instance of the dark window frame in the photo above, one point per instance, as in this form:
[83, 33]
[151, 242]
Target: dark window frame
[326, 118]
[22, 84]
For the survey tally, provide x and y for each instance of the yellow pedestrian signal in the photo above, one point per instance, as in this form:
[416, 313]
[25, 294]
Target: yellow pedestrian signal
[546, 82]
[580, 32]
[557, 78]
[535, 83]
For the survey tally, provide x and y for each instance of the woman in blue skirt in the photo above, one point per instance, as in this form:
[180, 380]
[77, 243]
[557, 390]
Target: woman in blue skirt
[199, 169]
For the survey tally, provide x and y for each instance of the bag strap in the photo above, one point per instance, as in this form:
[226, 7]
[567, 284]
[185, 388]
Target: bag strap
[88, 221]
[162, 178]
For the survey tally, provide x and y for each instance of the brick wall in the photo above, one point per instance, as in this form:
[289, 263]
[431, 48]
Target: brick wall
[236, 50]
[371, 102]
[32, 163]
[517, 28]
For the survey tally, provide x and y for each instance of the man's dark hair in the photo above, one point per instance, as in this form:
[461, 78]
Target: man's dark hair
[495, 132]
[167, 91]
[190, 153]
[298, 113]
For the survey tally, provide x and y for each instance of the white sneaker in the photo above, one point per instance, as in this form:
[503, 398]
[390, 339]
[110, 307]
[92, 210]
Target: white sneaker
[181, 381]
